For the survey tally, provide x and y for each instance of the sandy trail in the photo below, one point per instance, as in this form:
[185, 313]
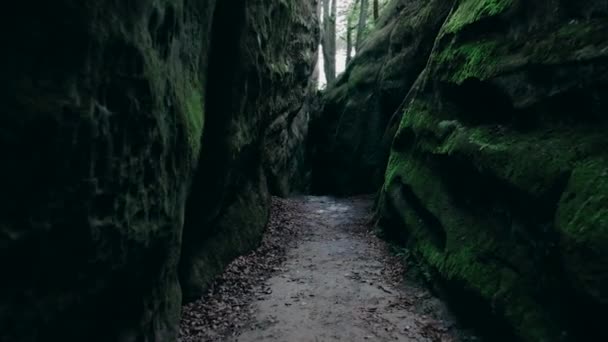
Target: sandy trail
[336, 282]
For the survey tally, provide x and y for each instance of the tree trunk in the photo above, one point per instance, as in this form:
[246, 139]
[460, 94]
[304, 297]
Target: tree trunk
[349, 38]
[362, 22]
[329, 39]
[334, 37]
[350, 29]
[376, 10]
[316, 72]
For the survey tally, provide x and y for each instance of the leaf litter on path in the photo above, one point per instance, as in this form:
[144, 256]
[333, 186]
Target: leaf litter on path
[319, 274]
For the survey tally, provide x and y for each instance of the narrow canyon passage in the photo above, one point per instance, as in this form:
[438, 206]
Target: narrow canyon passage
[157, 157]
[321, 274]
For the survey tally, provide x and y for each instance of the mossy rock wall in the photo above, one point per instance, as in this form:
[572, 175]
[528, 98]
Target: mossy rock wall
[262, 59]
[127, 128]
[498, 174]
[100, 133]
[348, 139]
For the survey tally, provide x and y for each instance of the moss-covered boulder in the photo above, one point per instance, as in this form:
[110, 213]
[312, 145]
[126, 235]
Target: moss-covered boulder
[262, 59]
[497, 178]
[348, 136]
[100, 132]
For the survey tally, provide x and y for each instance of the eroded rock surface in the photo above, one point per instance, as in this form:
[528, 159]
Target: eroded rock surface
[100, 133]
[262, 59]
[497, 178]
[123, 119]
[498, 173]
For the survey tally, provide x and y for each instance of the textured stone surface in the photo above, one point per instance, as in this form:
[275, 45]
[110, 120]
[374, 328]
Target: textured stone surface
[349, 144]
[263, 54]
[104, 104]
[498, 173]
[99, 132]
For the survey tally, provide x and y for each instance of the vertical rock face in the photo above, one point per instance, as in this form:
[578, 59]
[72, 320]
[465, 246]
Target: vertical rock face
[262, 58]
[291, 33]
[348, 137]
[498, 173]
[100, 131]
[104, 107]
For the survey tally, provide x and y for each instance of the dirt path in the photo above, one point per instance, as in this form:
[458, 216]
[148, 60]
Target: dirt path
[330, 279]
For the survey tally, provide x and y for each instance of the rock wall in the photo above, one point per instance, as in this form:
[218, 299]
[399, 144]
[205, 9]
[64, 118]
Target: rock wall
[348, 138]
[104, 108]
[498, 173]
[262, 58]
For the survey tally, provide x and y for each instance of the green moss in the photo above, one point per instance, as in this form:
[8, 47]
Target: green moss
[239, 232]
[582, 222]
[423, 15]
[574, 41]
[471, 238]
[483, 59]
[417, 116]
[471, 60]
[504, 156]
[463, 259]
[363, 74]
[509, 156]
[194, 120]
[470, 11]
[395, 168]
[458, 260]
[584, 210]
[169, 78]
[501, 287]
[484, 252]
